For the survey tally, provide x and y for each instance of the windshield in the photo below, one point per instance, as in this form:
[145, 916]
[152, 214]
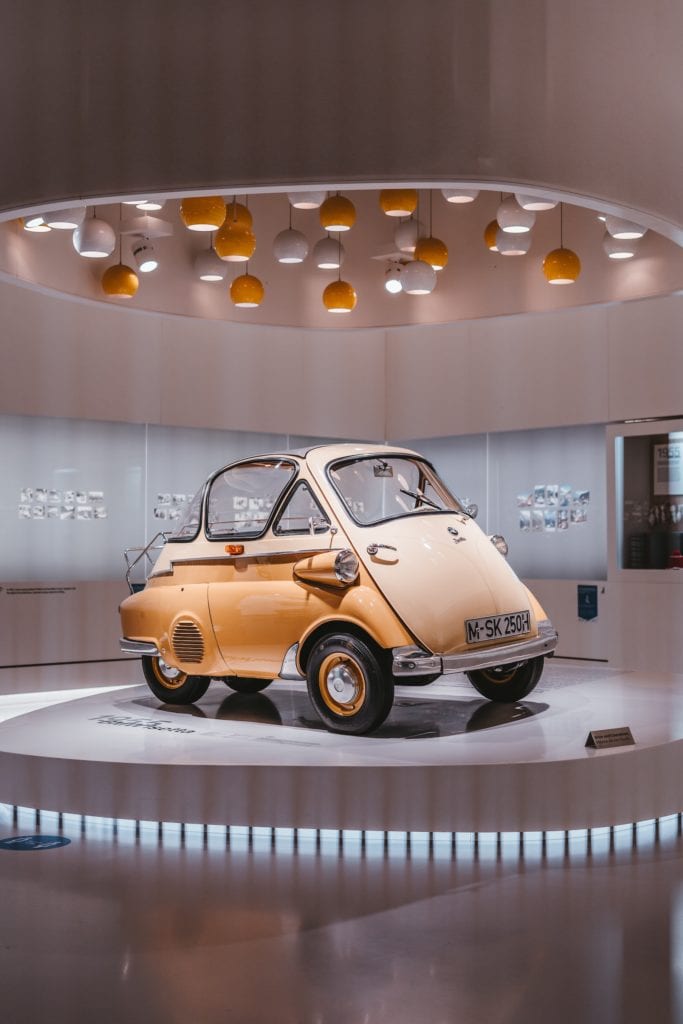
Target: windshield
[376, 489]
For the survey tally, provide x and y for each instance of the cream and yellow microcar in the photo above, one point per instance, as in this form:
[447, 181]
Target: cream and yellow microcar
[351, 566]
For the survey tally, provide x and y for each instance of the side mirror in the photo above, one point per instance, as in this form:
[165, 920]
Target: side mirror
[316, 524]
[472, 511]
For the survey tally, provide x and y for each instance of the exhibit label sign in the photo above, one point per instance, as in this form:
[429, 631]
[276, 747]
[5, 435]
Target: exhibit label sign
[601, 738]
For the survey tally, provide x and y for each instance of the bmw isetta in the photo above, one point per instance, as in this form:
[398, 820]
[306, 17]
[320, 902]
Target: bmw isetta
[351, 566]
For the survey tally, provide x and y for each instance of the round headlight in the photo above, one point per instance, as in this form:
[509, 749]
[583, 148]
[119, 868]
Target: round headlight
[500, 544]
[346, 566]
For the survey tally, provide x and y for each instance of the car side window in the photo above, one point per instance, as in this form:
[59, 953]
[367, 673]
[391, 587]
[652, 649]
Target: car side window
[188, 526]
[301, 514]
[242, 498]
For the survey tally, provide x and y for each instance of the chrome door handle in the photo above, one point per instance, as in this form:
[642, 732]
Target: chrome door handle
[372, 549]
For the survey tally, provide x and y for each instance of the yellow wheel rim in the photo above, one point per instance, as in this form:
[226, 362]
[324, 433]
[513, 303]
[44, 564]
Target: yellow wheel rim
[167, 676]
[503, 675]
[342, 684]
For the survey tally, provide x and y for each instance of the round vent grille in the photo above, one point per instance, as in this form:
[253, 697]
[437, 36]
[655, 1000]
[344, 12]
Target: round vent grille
[188, 643]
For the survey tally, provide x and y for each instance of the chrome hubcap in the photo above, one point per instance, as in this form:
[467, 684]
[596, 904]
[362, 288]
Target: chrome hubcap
[168, 671]
[342, 685]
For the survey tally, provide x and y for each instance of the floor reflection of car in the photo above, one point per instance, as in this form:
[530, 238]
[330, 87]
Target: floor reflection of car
[351, 566]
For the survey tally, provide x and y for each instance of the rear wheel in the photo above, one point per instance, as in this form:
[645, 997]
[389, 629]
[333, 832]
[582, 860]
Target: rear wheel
[241, 684]
[347, 685]
[171, 685]
[507, 683]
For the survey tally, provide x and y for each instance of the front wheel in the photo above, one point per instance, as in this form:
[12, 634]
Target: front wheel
[171, 685]
[508, 683]
[348, 686]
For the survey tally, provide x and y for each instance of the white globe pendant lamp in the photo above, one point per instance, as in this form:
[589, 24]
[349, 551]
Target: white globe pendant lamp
[407, 234]
[65, 220]
[94, 238]
[512, 245]
[535, 203]
[328, 254]
[620, 228]
[290, 246]
[418, 278]
[460, 195]
[209, 267]
[618, 248]
[513, 219]
[306, 200]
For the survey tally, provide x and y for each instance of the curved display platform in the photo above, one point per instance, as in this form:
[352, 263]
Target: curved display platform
[445, 760]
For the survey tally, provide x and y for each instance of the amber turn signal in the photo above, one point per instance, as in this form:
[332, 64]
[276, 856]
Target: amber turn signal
[234, 549]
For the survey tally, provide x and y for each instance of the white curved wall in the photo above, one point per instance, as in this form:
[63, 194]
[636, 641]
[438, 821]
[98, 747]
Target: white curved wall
[587, 365]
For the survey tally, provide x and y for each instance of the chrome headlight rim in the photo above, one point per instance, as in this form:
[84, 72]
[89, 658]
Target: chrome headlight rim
[346, 566]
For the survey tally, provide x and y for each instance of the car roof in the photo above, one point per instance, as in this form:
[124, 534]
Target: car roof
[323, 454]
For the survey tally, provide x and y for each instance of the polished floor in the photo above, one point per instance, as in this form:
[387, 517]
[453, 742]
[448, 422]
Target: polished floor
[122, 930]
[202, 926]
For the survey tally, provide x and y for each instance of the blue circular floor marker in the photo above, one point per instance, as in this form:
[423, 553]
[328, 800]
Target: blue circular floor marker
[33, 842]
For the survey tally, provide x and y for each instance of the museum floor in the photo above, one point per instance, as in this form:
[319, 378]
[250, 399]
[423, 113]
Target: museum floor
[201, 925]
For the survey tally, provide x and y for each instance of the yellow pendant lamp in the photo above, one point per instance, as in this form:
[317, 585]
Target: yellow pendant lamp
[490, 233]
[238, 214]
[398, 202]
[433, 251]
[337, 213]
[202, 213]
[246, 291]
[339, 297]
[120, 281]
[234, 243]
[561, 266]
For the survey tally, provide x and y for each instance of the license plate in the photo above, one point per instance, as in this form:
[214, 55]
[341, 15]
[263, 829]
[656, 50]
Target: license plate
[497, 627]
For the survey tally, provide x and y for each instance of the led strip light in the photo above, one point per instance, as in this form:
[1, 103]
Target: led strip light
[352, 842]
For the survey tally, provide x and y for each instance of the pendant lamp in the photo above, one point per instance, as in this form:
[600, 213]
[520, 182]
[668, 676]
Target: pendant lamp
[94, 238]
[247, 291]
[512, 218]
[120, 281]
[339, 297]
[460, 195]
[337, 213]
[491, 235]
[398, 202]
[328, 254]
[202, 213]
[561, 266]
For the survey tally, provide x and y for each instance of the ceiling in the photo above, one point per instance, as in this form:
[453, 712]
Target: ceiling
[475, 283]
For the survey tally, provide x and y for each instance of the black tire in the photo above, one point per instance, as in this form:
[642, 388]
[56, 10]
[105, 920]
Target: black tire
[241, 684]
[170, 685]
[507, 683]
[348, 685]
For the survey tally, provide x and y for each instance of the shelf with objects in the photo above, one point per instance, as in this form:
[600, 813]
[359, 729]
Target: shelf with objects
[648, 497]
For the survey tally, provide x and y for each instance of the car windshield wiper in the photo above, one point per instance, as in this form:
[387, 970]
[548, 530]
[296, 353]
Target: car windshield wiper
[419, 496]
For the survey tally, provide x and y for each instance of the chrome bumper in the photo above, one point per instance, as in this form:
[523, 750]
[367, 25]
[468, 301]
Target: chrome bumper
[412, 661]
[138, 647]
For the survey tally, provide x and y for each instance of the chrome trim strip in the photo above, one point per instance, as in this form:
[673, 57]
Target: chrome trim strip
[411, 661]
[138, 647]
[288, 669]
[225, 557]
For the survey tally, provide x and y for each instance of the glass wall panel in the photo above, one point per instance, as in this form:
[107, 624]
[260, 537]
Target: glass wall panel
[543, 490]
[71, 497]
